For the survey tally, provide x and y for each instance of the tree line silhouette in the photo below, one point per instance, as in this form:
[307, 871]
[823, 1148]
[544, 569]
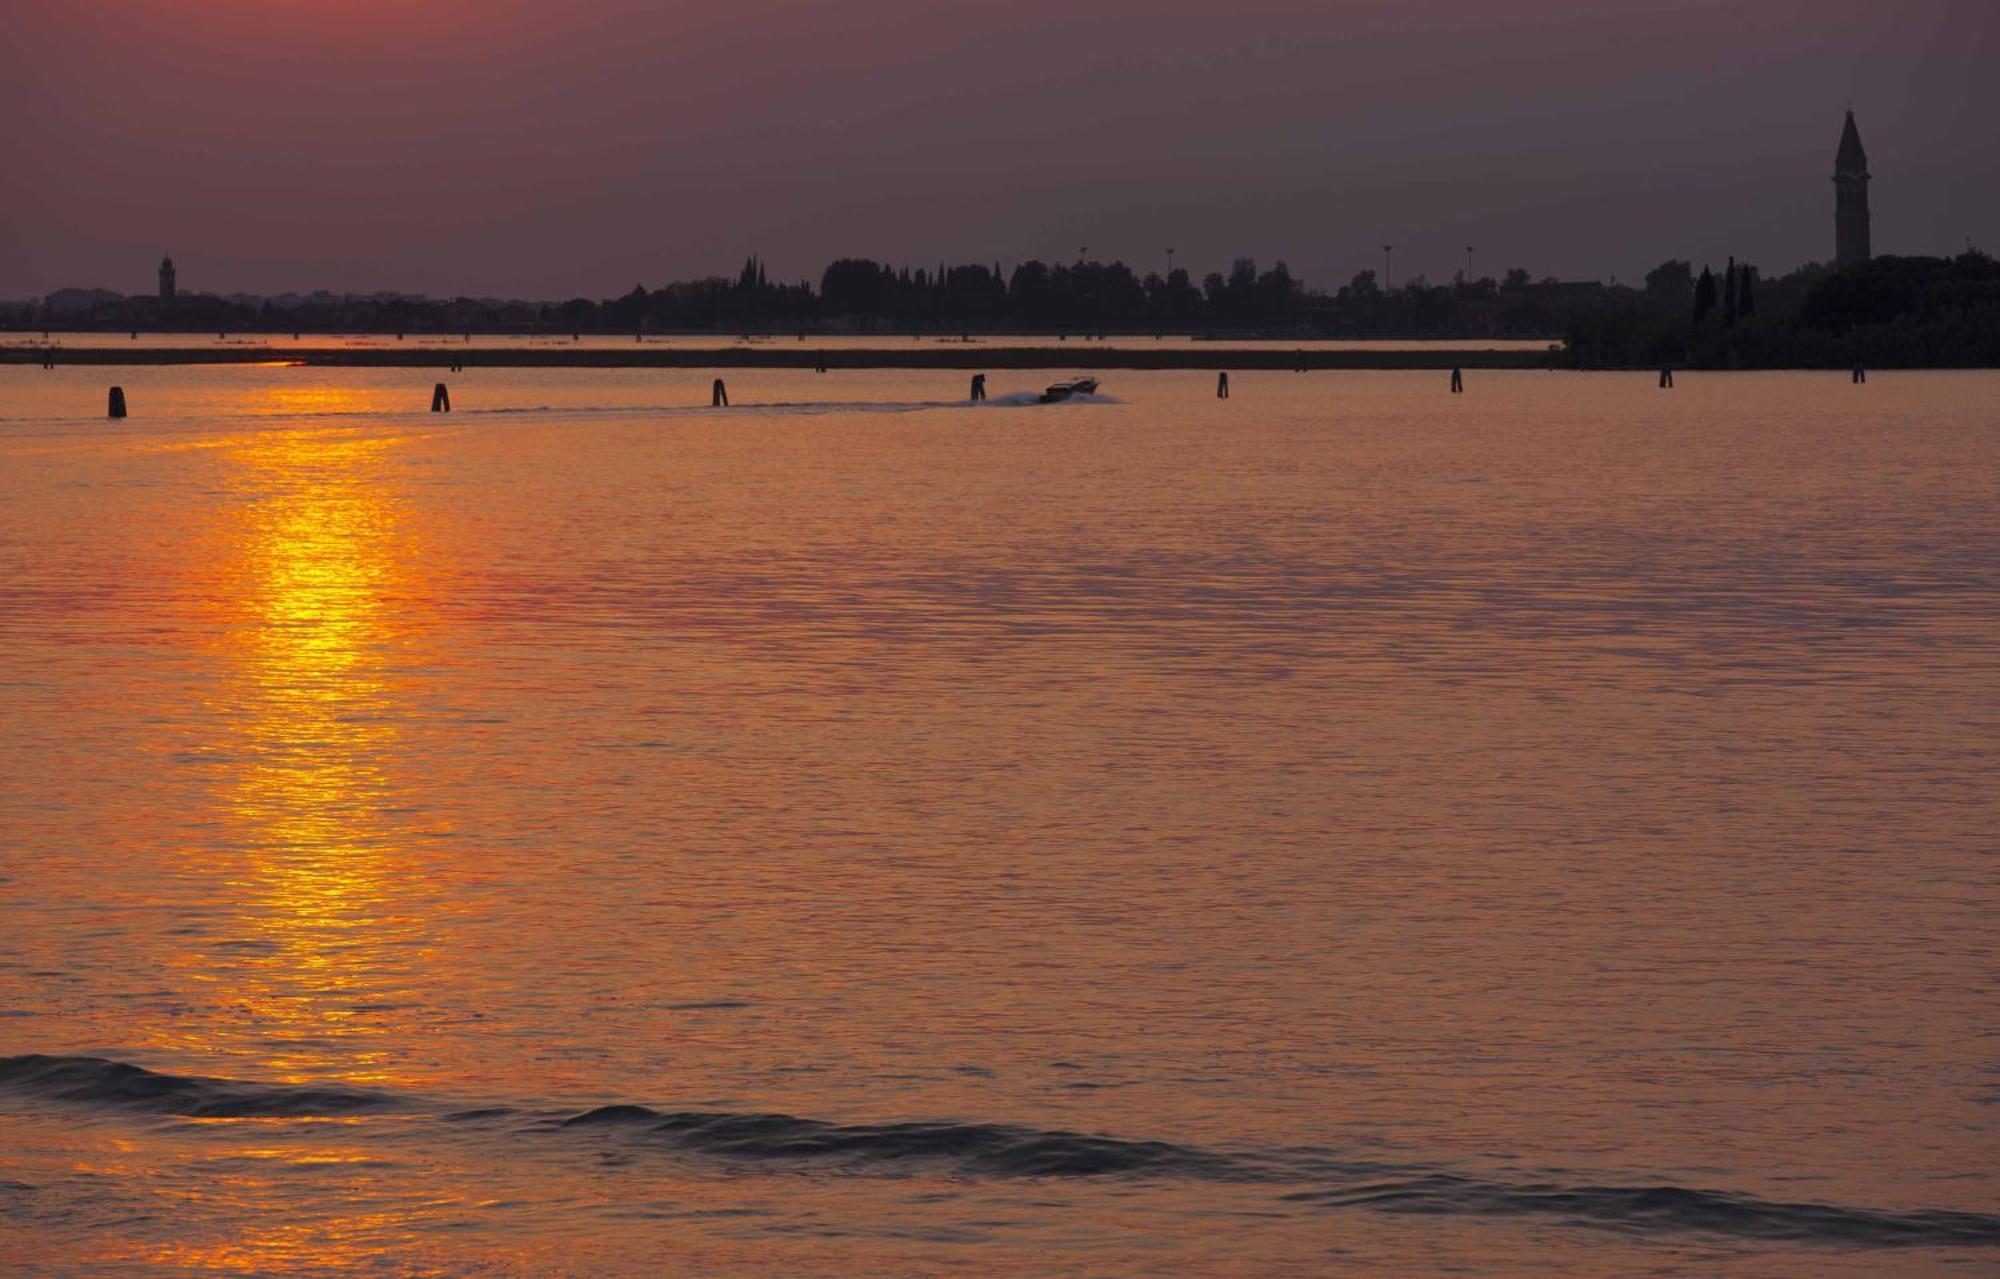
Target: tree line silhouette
[1889, 311]
[863, 296]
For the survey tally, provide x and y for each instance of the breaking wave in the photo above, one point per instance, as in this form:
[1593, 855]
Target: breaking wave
[1310, 1178]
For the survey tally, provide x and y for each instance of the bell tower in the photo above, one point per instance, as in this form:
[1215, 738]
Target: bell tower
[1850, 198]
[166, 279]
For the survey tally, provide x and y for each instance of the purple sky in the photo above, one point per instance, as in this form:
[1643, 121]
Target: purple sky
[544, 149]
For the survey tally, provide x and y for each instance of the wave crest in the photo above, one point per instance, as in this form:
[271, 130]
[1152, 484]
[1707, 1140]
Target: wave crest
[1010, 1150]
[1648, 1209]
[993, 1150]
[100, 1082]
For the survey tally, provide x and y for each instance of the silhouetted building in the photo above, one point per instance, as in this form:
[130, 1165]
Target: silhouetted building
[166, 279]
[1850, 201]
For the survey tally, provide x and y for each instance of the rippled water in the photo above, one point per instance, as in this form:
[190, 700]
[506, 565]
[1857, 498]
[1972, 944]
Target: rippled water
[1347, 828]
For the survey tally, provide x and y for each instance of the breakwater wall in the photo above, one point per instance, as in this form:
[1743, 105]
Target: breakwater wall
[790, 356]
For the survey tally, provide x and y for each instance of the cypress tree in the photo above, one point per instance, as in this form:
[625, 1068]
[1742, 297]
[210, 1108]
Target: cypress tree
[1704, 295]
[1730, 298]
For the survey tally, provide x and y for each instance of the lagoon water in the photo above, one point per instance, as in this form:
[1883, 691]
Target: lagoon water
[1348, 829]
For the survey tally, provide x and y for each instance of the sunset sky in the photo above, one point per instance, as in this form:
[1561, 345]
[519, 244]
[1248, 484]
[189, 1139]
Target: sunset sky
[529, 148]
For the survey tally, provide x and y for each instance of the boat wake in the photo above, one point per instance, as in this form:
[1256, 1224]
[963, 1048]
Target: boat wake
[1311, 1178]
[207, 420]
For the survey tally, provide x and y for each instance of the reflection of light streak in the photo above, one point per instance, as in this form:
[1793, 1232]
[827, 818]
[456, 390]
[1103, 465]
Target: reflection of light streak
[318, 936]
[323, 938]
[317, 1244]
[316, 399]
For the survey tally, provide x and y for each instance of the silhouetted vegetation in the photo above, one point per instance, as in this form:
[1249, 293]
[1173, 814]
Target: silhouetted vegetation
[1889, 312]
[861, 296]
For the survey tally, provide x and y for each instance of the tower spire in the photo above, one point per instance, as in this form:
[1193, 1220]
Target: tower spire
[1852, 156]
[1850, 202]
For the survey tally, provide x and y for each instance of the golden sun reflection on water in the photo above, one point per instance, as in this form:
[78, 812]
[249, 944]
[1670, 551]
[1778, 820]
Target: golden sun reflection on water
[279, 1247]
[1487, 790]
[318, 940]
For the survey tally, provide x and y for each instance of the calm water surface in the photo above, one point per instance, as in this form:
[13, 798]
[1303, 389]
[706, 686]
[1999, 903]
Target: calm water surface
[1344, 829]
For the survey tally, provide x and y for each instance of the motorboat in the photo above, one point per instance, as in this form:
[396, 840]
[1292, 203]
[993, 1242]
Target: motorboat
[1066, 389]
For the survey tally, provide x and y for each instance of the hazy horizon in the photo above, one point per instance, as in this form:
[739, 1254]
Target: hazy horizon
[506, 149]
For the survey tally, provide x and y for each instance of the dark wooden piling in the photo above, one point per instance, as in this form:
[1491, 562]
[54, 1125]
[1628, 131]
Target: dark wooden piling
[1222, 386]
[718, 395]
[978, 388]
[440, 399]
[117, 406]
[1458, 381]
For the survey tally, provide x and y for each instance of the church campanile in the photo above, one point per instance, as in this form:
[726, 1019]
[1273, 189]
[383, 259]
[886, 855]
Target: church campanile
[1850, 202]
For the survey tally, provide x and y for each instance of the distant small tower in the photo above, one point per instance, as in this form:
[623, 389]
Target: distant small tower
[166, 279]
[1850, 201]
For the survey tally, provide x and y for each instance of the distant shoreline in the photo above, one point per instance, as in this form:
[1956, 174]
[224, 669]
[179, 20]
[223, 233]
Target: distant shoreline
[796, 356]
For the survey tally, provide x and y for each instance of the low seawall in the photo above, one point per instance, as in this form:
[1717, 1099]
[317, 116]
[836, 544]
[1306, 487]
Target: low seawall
[789, 356]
